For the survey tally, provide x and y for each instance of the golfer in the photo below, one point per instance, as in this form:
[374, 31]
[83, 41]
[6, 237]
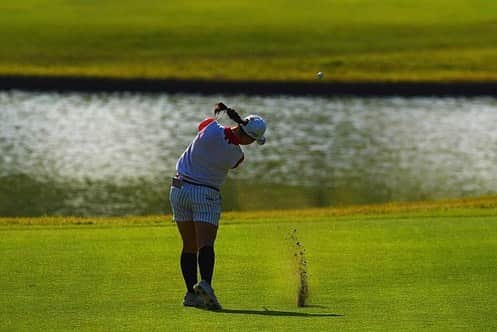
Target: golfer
[196, 200]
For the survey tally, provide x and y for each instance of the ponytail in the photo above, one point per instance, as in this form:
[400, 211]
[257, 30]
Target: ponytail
[231, 113]
[235, 116]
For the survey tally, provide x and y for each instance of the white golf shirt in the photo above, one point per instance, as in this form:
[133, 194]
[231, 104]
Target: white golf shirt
[213, 152]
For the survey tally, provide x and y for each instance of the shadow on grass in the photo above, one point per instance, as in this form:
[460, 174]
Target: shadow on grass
[267, 312]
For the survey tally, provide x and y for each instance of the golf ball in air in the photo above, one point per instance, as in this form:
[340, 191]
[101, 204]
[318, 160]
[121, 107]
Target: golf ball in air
[319, 75]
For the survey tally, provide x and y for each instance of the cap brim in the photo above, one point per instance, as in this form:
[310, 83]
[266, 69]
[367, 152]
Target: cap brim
[261, 141]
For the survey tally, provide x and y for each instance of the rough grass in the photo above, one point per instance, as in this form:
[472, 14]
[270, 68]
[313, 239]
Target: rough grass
[428, 266]
[353, 40]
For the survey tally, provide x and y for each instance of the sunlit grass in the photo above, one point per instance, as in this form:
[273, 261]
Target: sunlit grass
[390, 267]
[276, 40]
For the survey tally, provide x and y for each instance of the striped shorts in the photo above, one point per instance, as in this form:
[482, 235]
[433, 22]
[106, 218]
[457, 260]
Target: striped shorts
[195, 203]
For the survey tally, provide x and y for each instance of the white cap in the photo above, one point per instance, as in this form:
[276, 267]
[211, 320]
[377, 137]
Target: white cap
[255, 128]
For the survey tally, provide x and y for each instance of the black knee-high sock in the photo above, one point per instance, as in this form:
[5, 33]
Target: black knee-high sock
[189, 269]
[206, 258]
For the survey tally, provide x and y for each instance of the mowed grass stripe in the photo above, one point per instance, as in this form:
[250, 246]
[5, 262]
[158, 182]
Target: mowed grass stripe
[435, 272]
[246, 40]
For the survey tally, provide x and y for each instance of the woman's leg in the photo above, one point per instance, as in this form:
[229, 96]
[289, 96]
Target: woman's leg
[189, 253]
[206, 236]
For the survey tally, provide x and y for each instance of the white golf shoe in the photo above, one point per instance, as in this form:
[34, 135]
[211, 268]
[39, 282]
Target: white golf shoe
[193, 300]
[205, 291]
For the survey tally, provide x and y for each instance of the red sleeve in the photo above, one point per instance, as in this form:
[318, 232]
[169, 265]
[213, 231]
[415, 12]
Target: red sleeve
[204, 123]
[239, 161]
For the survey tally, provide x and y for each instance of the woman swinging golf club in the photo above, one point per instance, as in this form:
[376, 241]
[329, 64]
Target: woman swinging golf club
[195, 197]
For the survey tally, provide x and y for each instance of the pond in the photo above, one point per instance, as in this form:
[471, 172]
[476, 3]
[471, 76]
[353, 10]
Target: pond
[114, 154]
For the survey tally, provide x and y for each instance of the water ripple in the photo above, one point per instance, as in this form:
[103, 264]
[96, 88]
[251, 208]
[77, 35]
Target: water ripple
[396, 148]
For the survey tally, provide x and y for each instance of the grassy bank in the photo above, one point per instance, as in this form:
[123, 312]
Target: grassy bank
[383, 267]
[359, 40]
[481, 206]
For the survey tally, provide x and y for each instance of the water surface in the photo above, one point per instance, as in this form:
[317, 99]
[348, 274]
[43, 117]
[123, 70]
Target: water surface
[113, 154]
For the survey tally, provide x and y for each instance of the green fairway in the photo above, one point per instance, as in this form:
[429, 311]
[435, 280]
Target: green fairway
[349, 40]
[387, 267]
